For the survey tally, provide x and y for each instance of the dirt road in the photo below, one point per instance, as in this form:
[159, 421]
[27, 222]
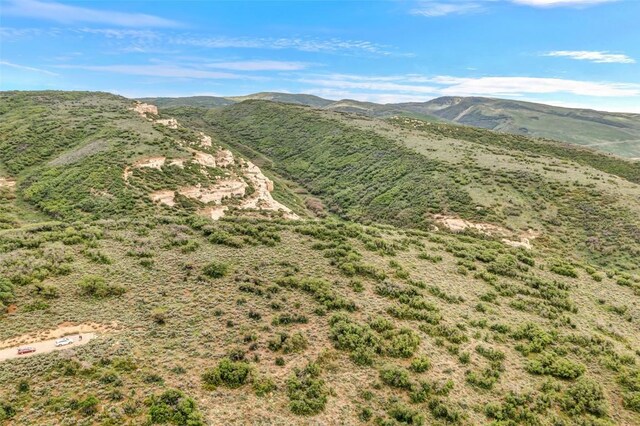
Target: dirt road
[45, 346]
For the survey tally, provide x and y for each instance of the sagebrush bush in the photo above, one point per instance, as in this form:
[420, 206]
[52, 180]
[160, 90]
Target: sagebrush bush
[307, 392]
[232, 374]
[173, 407]
[585, 396]
[216, 270]
[96, 286]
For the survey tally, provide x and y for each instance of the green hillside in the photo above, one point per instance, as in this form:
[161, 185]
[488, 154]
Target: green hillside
[352, 303]
[613, 133]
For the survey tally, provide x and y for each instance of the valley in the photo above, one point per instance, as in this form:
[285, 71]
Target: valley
[301, 265]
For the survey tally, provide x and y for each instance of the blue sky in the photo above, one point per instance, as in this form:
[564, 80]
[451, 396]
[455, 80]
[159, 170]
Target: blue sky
[578, 53]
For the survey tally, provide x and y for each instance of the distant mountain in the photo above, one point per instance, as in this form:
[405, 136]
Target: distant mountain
[286, 98]
[615, 133]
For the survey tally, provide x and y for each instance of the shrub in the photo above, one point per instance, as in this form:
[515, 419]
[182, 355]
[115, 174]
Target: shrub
[216, 270]
[394, 376]
[403, 414]
[88, 406]
[585, 396]
[444, 411]
[562, 268]
[307, 393]
[232, 374]
[490, 354]
[263, 386]
[358, 339]
[421, 364]
[95, 286]
[173, 407]
[7, 411]
[551, 364]
[402, 344]
[381, 324]
[297, 342]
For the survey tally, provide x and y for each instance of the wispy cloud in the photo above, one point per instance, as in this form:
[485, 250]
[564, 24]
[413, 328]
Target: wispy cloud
[501, 86]
[343, 82]
[260, 65]
[59, 12]
[26, 68]
[170, 71]
[437, 8]
[333, 45]
[559, 3]
[442, 8]
[416, 86]
[599, 57]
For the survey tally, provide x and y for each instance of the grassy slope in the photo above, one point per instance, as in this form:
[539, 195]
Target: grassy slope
[366, 172]
[483, 314]
[615, 133]
[593, 324]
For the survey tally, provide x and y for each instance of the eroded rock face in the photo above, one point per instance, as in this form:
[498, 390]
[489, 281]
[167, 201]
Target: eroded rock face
[171, 123]
[7, 183]
[261, 199]
[205, 141]
[144, 109]
[522, 240]
[224, 158]
[224, 189]
[234, 186]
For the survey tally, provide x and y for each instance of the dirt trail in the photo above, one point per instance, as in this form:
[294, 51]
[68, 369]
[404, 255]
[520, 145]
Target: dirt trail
[45, 346]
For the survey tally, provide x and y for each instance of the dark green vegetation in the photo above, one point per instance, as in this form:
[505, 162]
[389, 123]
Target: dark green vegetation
[405, 172]
[367, 316]
[614, 133]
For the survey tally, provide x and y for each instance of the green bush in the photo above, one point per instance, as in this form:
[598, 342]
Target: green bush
[95, 286]
[585, 396]
[231, 374]
[420, 364]
[307, 393]
[263, 386]
[406, 415]
[396, 377]
[358, 339]
[88, 406]
[551, 364]
[7, 411]
[173, 407]
[216, 270]
[402, 343]
[444, 411]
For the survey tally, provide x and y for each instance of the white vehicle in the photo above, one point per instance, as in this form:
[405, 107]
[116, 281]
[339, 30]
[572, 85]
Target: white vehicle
[63, 342]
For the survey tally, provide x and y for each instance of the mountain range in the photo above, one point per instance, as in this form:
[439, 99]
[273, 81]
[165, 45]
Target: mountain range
[615, 133]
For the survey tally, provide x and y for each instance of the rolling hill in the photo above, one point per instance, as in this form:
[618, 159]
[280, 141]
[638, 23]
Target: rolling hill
[615, 133]
[272, 263]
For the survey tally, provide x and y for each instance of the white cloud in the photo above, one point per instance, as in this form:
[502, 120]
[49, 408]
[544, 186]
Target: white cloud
[58, 12]
[500, 86]
[557, 3]
[440, 8]
[25, 68]
[259, 65]
[363, 83]
[436, 8]
[333, 45]
[156, 71]
[593, 56]
[415, 87]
